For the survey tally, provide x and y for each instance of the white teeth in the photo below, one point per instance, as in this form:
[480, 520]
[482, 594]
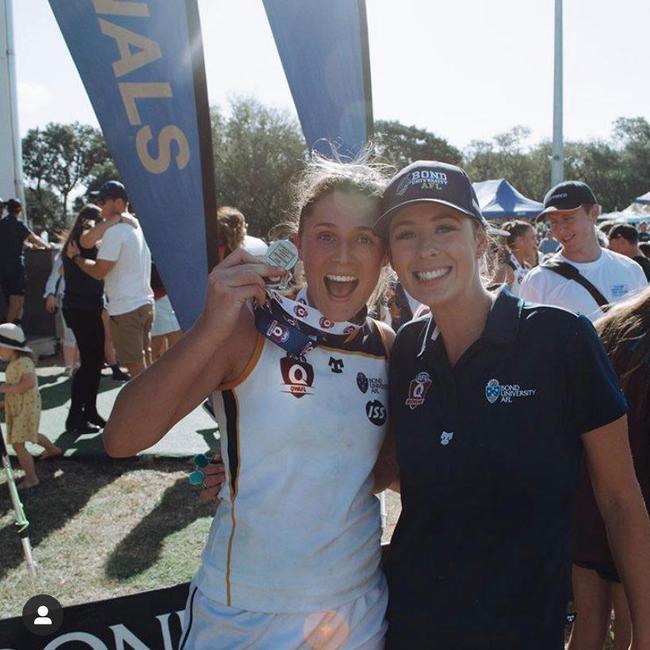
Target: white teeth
[340, 278]
[431, 275]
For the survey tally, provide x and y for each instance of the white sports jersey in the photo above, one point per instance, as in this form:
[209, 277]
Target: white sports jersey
[614, 275]
[298, 528]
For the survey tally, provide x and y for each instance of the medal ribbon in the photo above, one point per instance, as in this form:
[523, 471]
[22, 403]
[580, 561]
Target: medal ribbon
[296, 326]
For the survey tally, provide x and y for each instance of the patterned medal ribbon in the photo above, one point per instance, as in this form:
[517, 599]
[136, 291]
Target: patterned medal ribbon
[296, 326]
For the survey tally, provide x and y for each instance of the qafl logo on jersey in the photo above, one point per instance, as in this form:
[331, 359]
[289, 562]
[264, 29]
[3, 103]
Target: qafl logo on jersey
[279, 333]
[492, 390]
[418, 389]
[300, 311]
[376, 412]
[298, 377]
[326, 323]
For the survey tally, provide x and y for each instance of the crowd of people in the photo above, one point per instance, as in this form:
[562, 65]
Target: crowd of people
[517, 433]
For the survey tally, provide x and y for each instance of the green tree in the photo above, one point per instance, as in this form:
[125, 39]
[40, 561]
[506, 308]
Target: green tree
[61, 157]
[258, 151]
[400, 145]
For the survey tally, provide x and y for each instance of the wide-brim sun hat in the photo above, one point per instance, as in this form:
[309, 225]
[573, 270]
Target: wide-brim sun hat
[13, 337]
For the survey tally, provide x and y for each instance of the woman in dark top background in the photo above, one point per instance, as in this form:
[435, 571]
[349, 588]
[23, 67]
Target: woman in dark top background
[82, 309]
[625, 333]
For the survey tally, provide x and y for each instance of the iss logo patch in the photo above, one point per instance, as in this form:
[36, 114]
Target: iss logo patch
[298, 377]
[376, 412]
[418, 389]
[362, 382]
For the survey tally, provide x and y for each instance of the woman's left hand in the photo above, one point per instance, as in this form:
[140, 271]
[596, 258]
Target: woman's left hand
[214, 475]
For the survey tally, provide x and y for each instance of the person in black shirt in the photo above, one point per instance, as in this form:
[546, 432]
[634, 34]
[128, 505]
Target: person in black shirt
[83, 302]
[624, 239]
[13, 236]
[492, 402]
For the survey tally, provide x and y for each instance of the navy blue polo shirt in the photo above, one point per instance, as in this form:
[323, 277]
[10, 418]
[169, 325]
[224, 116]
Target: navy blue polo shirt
[489, 452]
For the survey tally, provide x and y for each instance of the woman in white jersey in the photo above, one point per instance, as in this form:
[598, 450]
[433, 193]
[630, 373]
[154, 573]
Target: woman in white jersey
[293, 555]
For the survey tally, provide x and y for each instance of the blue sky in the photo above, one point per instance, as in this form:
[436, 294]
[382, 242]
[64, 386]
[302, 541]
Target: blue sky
[467, 69]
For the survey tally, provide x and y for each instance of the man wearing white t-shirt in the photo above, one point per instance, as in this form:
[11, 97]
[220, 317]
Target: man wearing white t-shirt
[124, 263]
[571, 210]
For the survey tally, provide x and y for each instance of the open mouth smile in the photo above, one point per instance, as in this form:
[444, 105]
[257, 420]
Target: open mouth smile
[340, 286]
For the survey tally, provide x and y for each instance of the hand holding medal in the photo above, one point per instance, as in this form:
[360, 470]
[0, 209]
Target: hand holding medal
[283, 254]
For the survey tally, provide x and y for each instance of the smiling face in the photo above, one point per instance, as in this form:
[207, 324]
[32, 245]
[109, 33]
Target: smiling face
[574, 229]
[341, 255]
[435, 251]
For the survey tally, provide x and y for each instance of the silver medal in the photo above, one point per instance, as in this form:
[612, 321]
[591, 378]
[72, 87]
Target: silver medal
[284, 254]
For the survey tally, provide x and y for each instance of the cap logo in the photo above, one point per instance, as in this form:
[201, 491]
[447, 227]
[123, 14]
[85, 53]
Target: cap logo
[563, 195]
[429, 179]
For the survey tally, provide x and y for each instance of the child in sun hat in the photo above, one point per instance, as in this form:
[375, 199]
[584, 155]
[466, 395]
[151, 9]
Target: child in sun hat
[22, 401]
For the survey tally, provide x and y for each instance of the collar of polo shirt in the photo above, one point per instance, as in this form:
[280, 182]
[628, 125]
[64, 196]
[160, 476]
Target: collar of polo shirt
[501, 327]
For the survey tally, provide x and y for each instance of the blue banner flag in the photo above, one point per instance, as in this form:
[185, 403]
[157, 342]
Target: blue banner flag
[323, 45]
[142, 66]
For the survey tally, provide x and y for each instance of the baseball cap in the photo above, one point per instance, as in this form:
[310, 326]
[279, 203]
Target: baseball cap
[428, 181]
[624, 231]
[567, 196]
[109, 190]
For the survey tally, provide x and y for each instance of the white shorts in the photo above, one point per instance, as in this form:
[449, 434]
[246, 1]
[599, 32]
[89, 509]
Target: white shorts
[164, 319]
[358, 625]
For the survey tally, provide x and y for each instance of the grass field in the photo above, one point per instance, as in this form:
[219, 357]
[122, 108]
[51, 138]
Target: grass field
[101, 529]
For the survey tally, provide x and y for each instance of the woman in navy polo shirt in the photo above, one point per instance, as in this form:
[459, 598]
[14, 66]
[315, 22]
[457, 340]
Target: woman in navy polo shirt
[492, 402]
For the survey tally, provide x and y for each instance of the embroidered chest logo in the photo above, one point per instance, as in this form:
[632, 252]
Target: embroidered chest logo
[298, 377]
[505, 392]
[418, 389]
[336, 365]
[445, 437]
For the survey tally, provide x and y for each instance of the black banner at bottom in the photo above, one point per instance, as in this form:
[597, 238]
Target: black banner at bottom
[148, 621]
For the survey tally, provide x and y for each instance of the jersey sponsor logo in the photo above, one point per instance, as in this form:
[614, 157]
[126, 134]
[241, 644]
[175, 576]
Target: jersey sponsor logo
[362, 382]
[445, 437]
[326, 323]
[505, 392]
[376, 384]
[376, 412]
[336, 365]
[279, 333]
[619, 290]
[298, 377]
[300, 311]
[418, 389]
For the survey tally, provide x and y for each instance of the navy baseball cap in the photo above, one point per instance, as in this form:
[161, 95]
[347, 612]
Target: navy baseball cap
[109, 190]
[566, 197]
[428, 181]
